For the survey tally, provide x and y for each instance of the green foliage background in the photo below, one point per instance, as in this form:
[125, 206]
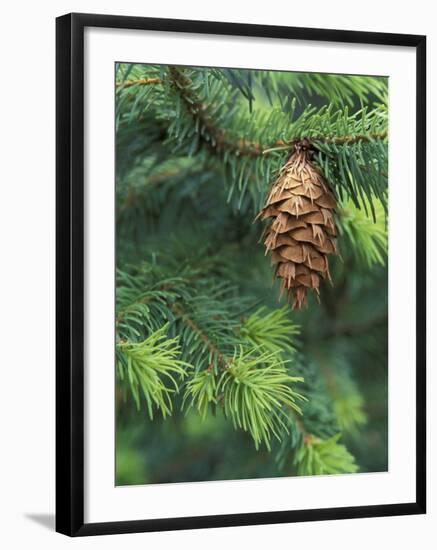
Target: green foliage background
[216, 377]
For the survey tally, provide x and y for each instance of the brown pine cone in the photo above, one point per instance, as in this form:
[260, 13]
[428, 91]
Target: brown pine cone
[302, 231]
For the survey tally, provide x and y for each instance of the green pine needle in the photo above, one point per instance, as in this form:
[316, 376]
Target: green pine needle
[349, 411]
[201, 391]
[274, 330]
[320, 457]
[256, 392]
[368, 238]
[152, 368]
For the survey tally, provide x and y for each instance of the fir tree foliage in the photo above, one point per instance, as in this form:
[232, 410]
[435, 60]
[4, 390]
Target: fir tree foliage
[199, 331]
[367, 237]
[151, 367]
[318, 457]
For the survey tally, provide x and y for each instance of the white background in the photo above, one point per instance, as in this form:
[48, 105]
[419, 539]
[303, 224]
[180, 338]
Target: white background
[27, 276]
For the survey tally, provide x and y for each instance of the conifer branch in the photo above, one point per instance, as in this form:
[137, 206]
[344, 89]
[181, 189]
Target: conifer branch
[347, 140]
[144, 300]
[177, 309]
[152, 368]
[318, 457]
[138, 82]
[199, 111]
[337, 140]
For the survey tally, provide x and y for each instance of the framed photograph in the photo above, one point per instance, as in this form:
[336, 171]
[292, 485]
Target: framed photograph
[240, 274]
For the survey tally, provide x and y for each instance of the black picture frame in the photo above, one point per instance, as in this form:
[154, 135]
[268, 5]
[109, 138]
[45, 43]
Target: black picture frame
[70, 273]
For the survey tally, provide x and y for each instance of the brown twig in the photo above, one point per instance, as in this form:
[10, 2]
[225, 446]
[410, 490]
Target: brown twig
[138, 82]
[218, 138]
[177, 309]
[340, 140]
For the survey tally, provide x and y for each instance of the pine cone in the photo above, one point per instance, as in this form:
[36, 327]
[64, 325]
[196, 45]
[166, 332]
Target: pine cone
[302, 231]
